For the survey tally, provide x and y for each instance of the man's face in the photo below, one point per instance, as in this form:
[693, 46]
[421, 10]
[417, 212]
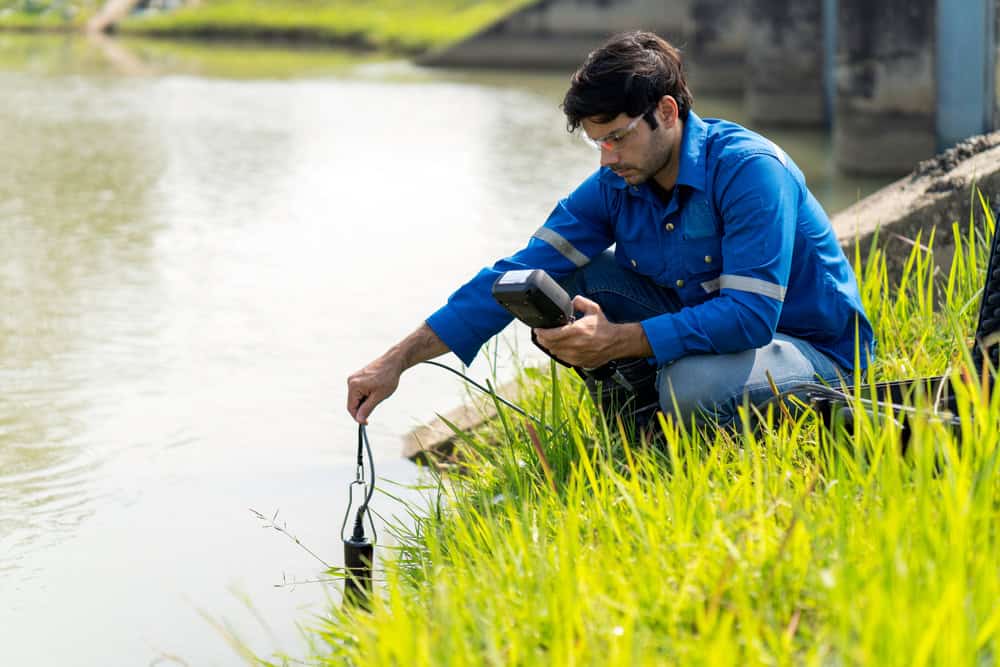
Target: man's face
[634, 151]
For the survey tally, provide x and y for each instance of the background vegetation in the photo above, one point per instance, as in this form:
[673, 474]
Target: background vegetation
[400, 25]
[46, 14]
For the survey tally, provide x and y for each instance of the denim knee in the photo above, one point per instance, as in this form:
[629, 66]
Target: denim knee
[713, 386]
[623, 295]
[695, 387]
[591, 279]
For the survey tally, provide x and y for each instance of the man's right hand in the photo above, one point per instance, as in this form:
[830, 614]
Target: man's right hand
[375, 382]
[371, 385]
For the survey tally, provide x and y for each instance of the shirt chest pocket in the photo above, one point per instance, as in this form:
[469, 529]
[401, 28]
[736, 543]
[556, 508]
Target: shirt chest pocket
[701, 239]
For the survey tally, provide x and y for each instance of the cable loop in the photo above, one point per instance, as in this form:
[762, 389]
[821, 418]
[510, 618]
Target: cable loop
[364, 446]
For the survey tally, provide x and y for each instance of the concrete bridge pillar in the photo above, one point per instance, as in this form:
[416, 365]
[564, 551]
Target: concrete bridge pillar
[966, 69]
[996, 64]
[716, 53]
[885, 95]
[786, 56]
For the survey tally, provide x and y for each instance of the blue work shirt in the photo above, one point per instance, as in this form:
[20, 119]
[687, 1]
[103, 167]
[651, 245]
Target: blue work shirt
[742, 241]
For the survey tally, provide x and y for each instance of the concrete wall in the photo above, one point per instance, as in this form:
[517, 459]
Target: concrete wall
[897, 79]
[786, 56]
[884, 112]
[930, 199]
[558, 34]
[716, 52]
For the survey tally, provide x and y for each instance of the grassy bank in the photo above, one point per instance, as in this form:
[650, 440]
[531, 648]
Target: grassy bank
[786, 546]
[400, 25]
[46, 15]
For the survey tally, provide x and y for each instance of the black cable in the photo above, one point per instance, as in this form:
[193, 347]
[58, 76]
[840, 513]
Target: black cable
[363, 437]
[363, 509]
[364, 446]
[490, 392]
[812, 390]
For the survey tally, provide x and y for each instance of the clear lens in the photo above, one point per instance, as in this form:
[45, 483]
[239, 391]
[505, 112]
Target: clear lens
[590, 142]
[612, 140]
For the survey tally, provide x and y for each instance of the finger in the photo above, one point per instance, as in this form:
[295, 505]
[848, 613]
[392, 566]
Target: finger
[585, 305]
[355, 395]
[367, 406]
[549, 336]
[355, 406]
[352, 400]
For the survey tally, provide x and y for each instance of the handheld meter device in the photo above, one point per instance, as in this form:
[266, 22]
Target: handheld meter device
[532, 296]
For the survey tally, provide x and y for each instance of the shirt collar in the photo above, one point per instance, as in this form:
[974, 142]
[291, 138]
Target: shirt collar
[612, 179]
[692, 157]
[693, 163]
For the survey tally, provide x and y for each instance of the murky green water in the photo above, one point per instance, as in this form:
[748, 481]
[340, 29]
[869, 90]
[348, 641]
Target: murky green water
[197, 245]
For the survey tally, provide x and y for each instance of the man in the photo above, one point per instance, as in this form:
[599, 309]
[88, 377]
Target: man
[725, 272]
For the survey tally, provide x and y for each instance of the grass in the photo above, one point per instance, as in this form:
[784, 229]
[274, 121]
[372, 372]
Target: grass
[409, 26]
[46, 15]
[789, 545]
[62, 54]
[404, 25]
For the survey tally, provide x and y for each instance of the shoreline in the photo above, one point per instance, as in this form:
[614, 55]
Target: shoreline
[266, 37]
[293, 38]
[423, 27]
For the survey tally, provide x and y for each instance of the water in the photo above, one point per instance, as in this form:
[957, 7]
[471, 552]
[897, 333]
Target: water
[197, 245]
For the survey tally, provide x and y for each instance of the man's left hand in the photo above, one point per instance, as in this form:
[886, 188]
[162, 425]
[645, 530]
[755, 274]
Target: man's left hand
[589, 341]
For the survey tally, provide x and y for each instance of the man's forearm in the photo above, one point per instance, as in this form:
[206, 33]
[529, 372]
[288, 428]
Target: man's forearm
[421, 345]
[378, 380]
[631, 341]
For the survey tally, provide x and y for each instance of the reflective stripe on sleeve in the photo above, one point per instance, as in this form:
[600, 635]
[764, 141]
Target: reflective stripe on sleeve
[753, 285]
[565, 248]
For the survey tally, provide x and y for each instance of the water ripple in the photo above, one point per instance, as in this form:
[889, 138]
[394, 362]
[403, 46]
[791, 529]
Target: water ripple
[45, 493]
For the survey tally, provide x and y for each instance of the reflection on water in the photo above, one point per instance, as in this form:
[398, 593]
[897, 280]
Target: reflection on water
[74, 220]
[197, 245]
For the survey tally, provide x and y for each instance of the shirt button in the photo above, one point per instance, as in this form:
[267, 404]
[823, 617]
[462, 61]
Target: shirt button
[634, 264]
[708, 259]
[680, 283]
[670, 227]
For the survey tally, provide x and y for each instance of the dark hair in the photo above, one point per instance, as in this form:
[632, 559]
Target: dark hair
[628, 74]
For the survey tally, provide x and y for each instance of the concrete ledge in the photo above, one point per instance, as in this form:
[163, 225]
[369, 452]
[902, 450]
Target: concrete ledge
[110, 13]
[433, 441]
[935, 195]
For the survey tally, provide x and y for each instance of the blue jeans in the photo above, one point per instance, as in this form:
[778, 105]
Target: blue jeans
[706, 387]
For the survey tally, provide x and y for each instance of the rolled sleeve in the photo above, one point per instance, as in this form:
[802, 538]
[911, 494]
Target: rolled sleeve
[460, 335]
[577, 229]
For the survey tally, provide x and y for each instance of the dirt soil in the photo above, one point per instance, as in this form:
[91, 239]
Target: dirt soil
[944, 162]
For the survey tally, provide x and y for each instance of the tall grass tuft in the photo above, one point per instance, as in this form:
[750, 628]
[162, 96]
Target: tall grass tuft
[788, 544]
